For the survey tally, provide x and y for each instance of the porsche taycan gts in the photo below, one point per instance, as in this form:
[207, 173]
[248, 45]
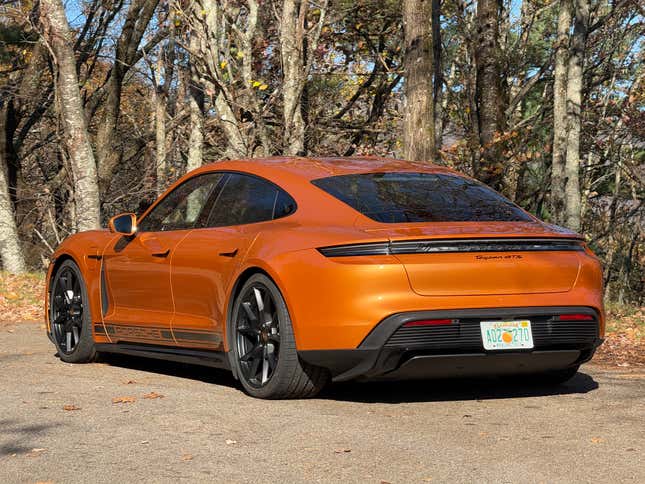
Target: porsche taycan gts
[292, 272]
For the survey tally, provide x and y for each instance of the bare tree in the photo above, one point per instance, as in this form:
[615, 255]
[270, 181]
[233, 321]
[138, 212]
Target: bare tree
[139, 14]
[418, 118]
[560, 112]
[489, 102]
[574, 111]
[76, 140]
[297, 44]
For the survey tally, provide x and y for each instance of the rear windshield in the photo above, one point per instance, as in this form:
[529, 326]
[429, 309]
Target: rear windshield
[420, 197]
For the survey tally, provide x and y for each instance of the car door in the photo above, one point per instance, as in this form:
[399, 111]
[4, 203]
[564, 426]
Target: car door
[137, 268]
[206, 260]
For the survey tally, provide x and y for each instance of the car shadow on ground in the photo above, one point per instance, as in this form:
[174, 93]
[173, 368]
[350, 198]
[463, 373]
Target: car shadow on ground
[455, 389]
[170, 368]
[381, 391]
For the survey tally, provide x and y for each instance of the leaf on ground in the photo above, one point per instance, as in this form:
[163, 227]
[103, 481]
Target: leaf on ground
[124, 399]
[152, 395]
[597, 440]
[342, 451]
[231, 442]
[70, 407]
[35, 452]
[186, 457]
[130, 382]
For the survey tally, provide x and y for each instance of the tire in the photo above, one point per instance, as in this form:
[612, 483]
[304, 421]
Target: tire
[260, 319]
[556, 377]
[69, 315]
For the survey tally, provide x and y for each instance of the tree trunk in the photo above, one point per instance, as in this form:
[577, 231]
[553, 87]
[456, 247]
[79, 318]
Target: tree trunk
[10, 253]
[560, 113]
[574, 111]
[296, 48]
[418, 120]
[196, 106]
[489, 102]
[70, 110]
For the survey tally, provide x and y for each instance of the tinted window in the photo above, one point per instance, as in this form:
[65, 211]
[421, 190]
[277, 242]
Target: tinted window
[420, 197]
[247, 199]
[180, 208]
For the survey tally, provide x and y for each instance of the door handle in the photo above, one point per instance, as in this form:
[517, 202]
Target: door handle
[161, 254]
[229, 254]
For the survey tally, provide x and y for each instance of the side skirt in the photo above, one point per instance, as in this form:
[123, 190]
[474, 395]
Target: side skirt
[215, 359]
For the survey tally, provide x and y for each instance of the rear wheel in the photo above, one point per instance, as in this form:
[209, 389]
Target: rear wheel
[264, 348]
[69, 315]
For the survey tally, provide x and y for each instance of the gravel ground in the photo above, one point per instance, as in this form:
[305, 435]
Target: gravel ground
[60, 424]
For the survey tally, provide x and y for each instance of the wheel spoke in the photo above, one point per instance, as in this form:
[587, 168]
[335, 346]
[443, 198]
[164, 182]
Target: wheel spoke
[248, 330]
[68, 340]
[258, 300]
[255, 365]
[249, 312]
[76, 335]
[255, 352]
[265, 366]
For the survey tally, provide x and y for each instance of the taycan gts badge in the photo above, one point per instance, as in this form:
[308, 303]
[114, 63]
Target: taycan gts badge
[499, 257]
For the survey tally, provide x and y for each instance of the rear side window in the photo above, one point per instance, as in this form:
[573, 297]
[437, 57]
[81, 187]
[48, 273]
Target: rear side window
[420, 197]
[248, 199]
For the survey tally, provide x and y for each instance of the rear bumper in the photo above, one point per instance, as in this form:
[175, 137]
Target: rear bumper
[382, 356]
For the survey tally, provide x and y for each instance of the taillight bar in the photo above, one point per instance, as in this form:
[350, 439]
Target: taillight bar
[431, 322]
[574, 317]
[453, 245]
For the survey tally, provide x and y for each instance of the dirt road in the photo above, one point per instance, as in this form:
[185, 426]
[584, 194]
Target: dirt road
[59, 423]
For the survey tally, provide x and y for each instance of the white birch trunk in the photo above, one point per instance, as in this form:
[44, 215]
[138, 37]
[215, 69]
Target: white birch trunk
[10, 253]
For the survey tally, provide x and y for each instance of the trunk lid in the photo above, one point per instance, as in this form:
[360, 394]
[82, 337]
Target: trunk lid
[493, 258]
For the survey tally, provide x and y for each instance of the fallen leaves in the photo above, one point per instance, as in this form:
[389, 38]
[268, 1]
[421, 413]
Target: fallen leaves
[342, 451]
[152, 396]
[597, 440]
[21, 297]
[231, 442]
[70, 407]
[36, 452]
[186, 457]
[117, 400]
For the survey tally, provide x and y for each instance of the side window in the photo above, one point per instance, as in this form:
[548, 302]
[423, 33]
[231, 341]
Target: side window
[180, 209]
[247, 199]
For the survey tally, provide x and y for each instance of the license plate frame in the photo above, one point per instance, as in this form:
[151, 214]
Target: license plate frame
[507, 335]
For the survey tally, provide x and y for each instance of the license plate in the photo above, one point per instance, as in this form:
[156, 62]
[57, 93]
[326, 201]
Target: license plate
[506, 335]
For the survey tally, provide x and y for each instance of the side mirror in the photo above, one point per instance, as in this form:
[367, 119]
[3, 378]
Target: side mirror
[125, 223]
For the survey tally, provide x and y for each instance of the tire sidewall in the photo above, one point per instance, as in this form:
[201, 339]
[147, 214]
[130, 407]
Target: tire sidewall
[84, 350]
[281, 375]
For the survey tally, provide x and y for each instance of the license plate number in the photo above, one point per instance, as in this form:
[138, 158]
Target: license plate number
[506, 335]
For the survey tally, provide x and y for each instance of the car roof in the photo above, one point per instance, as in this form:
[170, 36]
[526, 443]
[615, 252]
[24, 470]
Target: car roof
[311, 168]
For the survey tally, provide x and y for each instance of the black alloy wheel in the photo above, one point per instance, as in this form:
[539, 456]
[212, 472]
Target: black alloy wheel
[262, 345]
[69, 315]
[258, 335]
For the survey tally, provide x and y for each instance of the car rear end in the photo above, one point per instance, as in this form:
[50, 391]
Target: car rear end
[462, 283]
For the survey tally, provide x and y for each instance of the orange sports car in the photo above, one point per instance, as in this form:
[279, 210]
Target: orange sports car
[293, 271]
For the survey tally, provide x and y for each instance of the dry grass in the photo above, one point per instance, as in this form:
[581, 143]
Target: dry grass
[21, 300]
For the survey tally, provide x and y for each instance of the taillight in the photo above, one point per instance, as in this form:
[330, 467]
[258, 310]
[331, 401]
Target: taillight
[378, 248]
[574, 317]
[431, 322]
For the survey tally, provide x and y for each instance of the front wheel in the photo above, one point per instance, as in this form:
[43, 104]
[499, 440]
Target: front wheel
[264, 348]
[69, 315]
